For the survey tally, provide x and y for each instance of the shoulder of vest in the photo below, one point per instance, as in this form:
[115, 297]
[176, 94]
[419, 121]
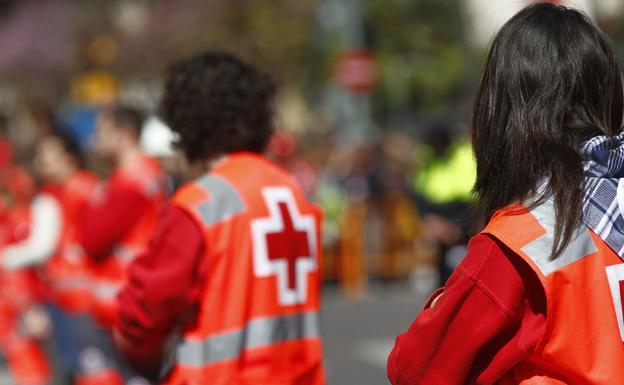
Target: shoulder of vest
[241, 163]
[211, 198]
[530, 234]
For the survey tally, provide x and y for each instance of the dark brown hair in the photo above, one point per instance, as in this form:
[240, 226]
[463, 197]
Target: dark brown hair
[550, 81]
[126, 117]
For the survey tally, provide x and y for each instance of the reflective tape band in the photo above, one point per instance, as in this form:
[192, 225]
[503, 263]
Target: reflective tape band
[73, 253]
[106, 291]
[581, 244]
[257, 333]
[70, 283]
[223, 203]
[126, 253]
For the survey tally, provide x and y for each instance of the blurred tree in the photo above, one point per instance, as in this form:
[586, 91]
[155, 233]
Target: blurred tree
[418, 43]
[148, 36]
[272, 32]
[420, 46]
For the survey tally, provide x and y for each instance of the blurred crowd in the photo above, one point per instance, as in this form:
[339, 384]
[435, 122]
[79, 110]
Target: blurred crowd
[66, 240]
[396, 208]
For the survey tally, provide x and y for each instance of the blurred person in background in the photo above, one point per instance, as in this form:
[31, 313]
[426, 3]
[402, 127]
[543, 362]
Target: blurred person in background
[538, 298]
[231, 276]
[157, 140]
[285, 149]
[400, 215]
[53, 245]
[117, 222]
[22, 323]
[443, 190]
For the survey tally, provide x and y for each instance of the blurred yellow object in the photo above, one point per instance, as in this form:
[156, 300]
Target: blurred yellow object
[401, 227]
[379, 241]
[449, 178]
[97, 87]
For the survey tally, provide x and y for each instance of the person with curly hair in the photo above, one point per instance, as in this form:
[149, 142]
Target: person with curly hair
[229, 289]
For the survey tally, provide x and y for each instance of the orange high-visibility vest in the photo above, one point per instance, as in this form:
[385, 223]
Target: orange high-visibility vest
[584, 287]
[258, 317]
[68, 270]
[109, 275]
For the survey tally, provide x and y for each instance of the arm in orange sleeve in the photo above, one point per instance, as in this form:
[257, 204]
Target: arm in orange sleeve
[162, 291]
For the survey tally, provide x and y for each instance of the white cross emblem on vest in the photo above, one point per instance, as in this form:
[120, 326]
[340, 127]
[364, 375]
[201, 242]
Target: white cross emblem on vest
[284, 245]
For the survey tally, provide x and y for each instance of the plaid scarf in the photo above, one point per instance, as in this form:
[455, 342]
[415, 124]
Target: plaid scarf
[603, 203]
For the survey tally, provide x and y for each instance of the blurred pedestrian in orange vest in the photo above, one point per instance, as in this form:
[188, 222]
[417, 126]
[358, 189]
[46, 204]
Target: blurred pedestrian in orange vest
[539, 297]
[232, 271]
[116, 223]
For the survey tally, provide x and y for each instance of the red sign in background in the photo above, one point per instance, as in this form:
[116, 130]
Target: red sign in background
[356, 71]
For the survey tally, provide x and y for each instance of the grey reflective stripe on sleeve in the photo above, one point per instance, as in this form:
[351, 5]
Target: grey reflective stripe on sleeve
[105, 291]
[71, 283]
[257, 333]
[540, 249]
[126, 253]
[223, 203]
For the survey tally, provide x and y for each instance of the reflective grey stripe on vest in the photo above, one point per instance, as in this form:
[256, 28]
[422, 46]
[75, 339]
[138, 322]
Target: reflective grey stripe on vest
[540, 249]
[71, 283]
[257, 333]
[106, 291]
[126, 253]
[223, 203]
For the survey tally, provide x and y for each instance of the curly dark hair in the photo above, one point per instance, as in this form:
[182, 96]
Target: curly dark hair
[218, 105]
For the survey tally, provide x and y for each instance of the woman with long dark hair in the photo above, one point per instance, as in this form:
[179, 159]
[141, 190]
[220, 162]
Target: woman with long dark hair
[539, 297]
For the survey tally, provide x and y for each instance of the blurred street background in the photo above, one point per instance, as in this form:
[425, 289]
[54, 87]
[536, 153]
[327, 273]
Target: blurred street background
[373, 120]
[359, 334]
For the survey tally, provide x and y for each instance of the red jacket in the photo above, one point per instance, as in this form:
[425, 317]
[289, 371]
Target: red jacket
[491, 315]
[149, 307]
[68, 270]
[117, 228]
